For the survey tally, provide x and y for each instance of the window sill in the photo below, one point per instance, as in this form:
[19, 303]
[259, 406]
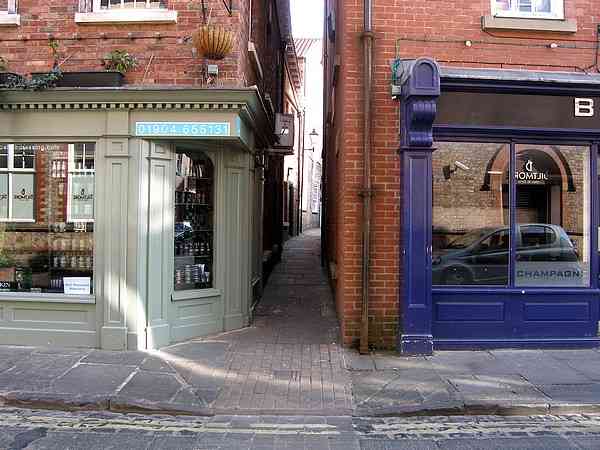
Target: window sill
[10, 20]
[127, 16]
[195, 294]
[47, 298]
[524, 24]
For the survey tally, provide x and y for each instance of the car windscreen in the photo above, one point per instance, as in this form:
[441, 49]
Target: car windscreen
[466, 240]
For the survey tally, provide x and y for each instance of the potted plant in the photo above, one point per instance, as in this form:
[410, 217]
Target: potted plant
[116, 64]
[8, 79]
[213, 41]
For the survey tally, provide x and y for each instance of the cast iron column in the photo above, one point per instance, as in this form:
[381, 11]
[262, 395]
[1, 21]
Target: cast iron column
[420, 83]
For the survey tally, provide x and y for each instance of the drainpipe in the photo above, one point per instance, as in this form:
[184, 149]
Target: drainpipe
[366, 192]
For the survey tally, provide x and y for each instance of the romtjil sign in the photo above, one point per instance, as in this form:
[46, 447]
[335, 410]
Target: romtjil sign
[476, 109]
[530, 175]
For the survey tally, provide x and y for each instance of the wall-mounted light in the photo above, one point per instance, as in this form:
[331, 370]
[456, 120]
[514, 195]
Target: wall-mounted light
[449, 170]
[468, 43]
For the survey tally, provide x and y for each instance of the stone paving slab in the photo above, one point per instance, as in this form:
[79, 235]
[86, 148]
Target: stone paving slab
[507, 382]
[290, 362]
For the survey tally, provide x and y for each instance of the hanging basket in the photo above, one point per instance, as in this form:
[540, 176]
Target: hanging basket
[213, 42]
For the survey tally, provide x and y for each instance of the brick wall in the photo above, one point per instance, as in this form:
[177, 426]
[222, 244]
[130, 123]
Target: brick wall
[165, 57]
[408, 29]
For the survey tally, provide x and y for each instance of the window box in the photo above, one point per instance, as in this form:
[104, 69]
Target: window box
[89, 79]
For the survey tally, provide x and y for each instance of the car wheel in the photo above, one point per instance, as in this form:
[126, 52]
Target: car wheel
[457, 276]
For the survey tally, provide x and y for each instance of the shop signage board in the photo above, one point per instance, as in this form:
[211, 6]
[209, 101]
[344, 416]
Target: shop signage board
[284, 131]
[517, 110]
[183, 129]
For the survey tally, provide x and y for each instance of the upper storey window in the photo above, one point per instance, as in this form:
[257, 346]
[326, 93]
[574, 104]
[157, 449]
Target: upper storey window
[124, 11]
[8, 13]
[103, 5]
[538, 9]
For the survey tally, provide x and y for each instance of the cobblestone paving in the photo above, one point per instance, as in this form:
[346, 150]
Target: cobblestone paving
[31, 429]
[479, 427]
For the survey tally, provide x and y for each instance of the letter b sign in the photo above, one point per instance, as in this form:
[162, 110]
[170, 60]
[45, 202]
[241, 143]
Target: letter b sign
[584, 107]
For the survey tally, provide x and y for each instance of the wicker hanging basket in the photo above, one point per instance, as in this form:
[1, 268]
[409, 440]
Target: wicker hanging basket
[213, 42]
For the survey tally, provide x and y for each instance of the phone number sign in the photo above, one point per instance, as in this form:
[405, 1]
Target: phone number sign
[182, 129]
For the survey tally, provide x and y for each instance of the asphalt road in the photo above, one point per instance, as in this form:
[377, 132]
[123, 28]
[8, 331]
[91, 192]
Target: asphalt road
[31, 429]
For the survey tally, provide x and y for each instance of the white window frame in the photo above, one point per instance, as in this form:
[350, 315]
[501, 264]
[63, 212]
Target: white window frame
[72, 170]
[11, 170]
[9, 16]
[557, 11]
[120, 14]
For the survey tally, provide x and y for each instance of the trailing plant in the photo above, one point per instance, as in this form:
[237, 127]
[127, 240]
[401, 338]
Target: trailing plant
[120, 61]
[54, 48]
[39, 81]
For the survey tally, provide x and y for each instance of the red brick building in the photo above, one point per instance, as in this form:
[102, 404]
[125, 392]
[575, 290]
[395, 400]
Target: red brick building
[504, 67]
[172, 238]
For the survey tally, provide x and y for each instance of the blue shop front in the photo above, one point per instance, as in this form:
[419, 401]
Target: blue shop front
[505, 253]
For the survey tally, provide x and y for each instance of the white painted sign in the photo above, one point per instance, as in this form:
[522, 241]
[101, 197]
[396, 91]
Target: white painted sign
[284, 130]
[77, 285]
[183, 129]
[584, 107]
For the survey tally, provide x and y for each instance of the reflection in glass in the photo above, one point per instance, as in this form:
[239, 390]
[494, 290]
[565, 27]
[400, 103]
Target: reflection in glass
[41, 249]
[553, 216]
[471, 232]
[194, 183]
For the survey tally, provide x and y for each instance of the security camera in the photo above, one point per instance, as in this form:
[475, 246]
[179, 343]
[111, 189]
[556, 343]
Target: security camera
[461, 166]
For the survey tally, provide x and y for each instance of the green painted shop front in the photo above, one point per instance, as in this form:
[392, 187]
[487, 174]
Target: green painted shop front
[132, 217]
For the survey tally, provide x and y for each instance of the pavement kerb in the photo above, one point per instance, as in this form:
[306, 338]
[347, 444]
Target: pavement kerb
[479, 410]
[45, 401]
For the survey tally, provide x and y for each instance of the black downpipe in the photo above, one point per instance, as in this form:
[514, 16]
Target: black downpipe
[367, 191]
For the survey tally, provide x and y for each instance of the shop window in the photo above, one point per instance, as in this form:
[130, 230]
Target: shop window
[543, 9]
[470, 218]
[194, 210]
[479, 237]
[552, 215]
[43, 247]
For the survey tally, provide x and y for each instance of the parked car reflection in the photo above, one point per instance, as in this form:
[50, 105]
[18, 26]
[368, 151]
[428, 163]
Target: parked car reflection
[481, 256]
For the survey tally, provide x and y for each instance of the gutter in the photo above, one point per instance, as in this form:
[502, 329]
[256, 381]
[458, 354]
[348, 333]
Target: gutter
[367, 190]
